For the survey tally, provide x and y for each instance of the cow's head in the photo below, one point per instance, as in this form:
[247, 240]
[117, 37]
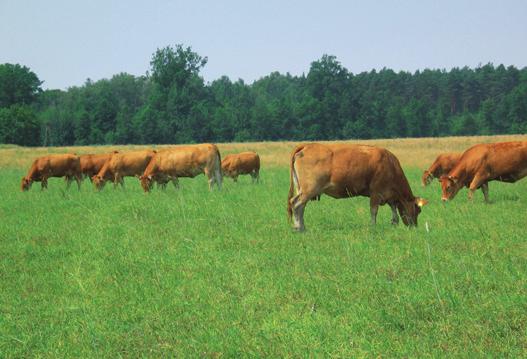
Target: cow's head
[410, 210]
[25, 184]
[98, 182]
[427, 178]
[146, 182]
[225, 170]
[450, 185]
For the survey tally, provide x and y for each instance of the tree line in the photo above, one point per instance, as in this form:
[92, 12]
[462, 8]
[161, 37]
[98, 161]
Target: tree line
[172, 104]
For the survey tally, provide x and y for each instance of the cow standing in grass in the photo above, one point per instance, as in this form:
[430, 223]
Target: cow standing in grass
[64, 165]
[480, 164]
[91, 164]
[122, 164]
[344, 170]
[441, 166]
[185, 161]
[242, 163]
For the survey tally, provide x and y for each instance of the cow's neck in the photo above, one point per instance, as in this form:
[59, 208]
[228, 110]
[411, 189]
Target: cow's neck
[460, 173]
[33, 172]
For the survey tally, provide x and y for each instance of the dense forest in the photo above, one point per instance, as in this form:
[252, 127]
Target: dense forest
[171, 103]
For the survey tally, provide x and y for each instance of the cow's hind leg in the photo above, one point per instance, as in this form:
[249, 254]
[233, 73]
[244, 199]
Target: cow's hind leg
[374, 208]
[68, 180]
[254, 176]
[78, 179]
[395, 216]
[298, 205]
[218, 176]
[210, 178]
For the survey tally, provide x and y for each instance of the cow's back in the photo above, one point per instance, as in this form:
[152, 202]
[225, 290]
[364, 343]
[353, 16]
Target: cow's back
[447, 161]
[60, 165]
[130, 163]
[507, 158]
[244, 162]
[184, 161]
[365, 170]
[493, 158]
[92, 163]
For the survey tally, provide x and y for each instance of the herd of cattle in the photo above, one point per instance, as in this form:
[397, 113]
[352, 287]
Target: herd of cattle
[337, 170]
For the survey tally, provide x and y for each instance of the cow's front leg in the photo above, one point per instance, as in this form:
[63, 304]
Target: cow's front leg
[44, 183]
[485, 190]
[175, 182]
[476, 183]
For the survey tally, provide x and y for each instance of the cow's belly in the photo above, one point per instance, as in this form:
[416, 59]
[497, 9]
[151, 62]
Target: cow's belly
[342, 191]
[191, 173]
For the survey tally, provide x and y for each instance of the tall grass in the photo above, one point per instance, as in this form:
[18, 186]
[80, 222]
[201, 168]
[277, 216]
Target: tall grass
[220, 274]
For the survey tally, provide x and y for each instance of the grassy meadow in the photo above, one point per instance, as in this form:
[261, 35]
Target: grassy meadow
[193, 273]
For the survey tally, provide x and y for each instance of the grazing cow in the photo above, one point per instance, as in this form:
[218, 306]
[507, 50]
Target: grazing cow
[91, 164]
[480, 164]
[344, 170]
[241, 164]
[122, 164]
[67, 166]
[184, 161]
[441, 166]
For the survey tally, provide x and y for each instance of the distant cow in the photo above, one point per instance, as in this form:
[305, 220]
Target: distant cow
[66, 165]
[441, 166]
[91, 164]
[480, 164]
[185, 161]
[241, 164]
[122, 164]
[344, 170]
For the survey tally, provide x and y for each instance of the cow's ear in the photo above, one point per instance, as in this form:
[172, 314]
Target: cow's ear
[150, 177]
[453, 179]
[420, 202]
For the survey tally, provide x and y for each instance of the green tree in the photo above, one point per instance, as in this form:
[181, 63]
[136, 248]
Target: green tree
[19, 125]
[18, 85]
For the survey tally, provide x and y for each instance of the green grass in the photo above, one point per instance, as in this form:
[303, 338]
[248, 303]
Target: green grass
[191, 273]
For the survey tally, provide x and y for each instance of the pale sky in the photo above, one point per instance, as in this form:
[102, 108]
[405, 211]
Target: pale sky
[66, 41]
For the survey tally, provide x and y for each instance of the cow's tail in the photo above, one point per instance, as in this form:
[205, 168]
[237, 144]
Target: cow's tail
[217, 168]
[292, 178]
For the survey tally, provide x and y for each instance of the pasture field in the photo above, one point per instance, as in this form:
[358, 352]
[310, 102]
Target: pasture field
[193, 273]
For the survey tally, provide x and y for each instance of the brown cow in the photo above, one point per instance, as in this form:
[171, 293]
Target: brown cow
[122, 164]
[66, 165]
[185, 161]
[345, 170]
[241, 164]
[441, 166]
[480, 164]
[91, 164]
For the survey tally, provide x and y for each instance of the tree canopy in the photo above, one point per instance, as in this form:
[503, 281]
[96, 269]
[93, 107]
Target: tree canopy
[173, 104]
